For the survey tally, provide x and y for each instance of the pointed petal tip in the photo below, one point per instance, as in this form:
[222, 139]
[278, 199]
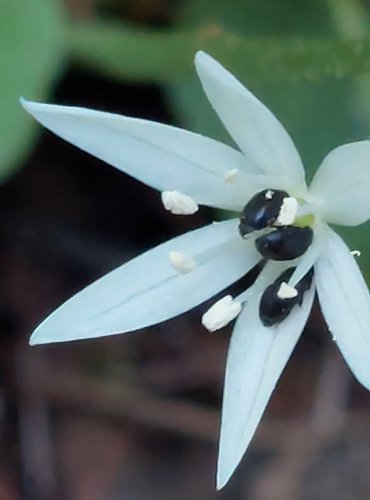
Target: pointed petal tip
[26, 104]
[200, 56]
[42, 335]
[35, 339]
[226, 469]
[206, 63]
[259, 135]
[31, 106]
[221, 480]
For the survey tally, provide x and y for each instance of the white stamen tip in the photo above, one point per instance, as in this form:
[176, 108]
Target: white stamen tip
[286, 291]
[181, 262]
[230, 175]
[356, 253]
[288, 211]
[178, 203]
[221, 313]
[269, 194]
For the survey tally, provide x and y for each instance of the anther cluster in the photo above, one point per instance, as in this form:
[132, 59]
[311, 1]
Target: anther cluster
[279, 243]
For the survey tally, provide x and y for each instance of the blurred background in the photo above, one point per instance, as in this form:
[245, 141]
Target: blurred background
[136, 417]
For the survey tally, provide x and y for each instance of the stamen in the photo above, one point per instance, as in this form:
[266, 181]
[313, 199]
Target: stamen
[288, 212]
[221, 313]
[356, 253]
[286, 292]
[178, 203]
[261, 211]
[279, 298]
[285, 243]
[230, 175]
[269, 194]
[181, 262]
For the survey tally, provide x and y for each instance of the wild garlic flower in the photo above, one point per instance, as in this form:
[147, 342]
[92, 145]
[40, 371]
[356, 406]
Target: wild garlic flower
[282, 222]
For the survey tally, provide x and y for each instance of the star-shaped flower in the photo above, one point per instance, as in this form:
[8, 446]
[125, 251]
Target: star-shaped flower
[282, 222]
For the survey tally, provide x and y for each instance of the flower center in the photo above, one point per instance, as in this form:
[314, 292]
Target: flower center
[261, 211]
[283, 234]
[282, 227]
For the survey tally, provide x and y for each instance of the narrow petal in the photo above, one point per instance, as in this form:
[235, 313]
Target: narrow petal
[342, 185]
[256, 358]
[164, 157]
[345, 303]
[148, 290]
[308, 259]
[254, 128]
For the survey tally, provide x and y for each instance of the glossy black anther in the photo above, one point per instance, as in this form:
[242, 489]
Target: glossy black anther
[261, 211]
[273, 310]
[285, 243]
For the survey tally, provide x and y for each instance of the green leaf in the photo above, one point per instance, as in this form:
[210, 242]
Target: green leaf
[267, 18]
[31, 52]
[150, 55]
[120, 52]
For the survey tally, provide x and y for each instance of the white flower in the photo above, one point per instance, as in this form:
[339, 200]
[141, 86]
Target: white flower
[148, 289]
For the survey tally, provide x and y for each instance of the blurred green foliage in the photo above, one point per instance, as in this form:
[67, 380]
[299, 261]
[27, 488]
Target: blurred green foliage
[31, 54]
[122, 52]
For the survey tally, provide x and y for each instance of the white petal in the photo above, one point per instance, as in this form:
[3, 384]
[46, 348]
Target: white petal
[164, 157]
[147, 290]
[308, 259]
[342, 185]
[345, 303]
[253, 127]
[256, 358]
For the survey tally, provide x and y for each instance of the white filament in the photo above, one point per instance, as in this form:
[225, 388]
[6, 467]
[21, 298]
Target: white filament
[230, 175]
